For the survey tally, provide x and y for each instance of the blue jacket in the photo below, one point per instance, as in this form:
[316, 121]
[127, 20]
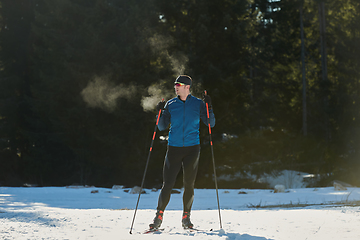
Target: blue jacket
[184, 119]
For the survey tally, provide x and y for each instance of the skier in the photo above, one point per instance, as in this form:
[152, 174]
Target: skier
[183, 113]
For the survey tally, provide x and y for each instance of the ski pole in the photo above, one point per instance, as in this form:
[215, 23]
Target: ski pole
[146, 167]
[213, 161]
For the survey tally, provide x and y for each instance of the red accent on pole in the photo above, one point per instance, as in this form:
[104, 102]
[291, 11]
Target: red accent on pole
[157, 121]
[208, 116]
[207, 108]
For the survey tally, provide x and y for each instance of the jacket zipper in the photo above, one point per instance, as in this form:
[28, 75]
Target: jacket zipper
[184, 126]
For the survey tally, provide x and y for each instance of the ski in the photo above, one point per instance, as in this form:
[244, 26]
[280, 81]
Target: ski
[197, 230]
[154, 230]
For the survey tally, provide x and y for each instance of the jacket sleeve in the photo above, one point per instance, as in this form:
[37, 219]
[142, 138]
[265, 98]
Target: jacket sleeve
[203, 115]
[164, 119]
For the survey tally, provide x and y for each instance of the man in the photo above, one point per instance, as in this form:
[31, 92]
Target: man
[183, 113]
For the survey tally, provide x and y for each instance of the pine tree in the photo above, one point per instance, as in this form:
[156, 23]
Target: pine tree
[91, 59]
[15, 42]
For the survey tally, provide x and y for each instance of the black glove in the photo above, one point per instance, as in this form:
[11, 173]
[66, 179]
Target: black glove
[160, 105]
[207, 99]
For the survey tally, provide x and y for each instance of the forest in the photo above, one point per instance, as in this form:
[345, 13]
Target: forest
[80, 79]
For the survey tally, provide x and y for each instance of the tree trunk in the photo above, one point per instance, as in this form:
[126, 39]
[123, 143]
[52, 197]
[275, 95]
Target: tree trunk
[324, 68]
[303, 72]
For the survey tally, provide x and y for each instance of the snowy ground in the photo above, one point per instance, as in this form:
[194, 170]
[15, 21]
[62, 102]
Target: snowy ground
[68, 213]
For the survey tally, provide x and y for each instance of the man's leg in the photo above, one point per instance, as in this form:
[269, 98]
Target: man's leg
[190, 168]
[172, 165]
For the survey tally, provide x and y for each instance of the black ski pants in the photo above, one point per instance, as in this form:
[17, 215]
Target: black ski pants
[177, 157]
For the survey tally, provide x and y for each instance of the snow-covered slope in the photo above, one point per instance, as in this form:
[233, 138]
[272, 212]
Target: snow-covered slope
[67, 213]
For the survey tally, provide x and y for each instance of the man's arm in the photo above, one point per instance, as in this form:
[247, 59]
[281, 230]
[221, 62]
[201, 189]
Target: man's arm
[164, 119]
[203, 115]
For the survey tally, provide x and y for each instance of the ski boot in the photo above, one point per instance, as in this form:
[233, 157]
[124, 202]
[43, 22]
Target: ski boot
[186, 223]
[157, 220]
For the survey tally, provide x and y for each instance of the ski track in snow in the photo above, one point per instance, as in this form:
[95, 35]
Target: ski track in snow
[62, 213]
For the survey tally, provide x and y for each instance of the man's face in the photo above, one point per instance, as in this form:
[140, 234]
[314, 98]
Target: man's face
[180, 90]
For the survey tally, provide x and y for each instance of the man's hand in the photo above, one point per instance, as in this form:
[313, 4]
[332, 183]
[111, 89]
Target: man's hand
[160, 105]
[207, 99]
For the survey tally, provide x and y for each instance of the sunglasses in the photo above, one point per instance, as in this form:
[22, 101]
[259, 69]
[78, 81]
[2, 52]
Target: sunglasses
[179, 84]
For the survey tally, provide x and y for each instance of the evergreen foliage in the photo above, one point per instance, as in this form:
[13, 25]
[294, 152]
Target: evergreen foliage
[79, 80]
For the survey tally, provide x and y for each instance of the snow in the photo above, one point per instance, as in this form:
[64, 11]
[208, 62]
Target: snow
[288, 178]
[76, 213]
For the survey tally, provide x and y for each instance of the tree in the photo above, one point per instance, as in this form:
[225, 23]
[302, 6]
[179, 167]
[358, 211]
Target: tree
[91, 58]
[16, 17]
